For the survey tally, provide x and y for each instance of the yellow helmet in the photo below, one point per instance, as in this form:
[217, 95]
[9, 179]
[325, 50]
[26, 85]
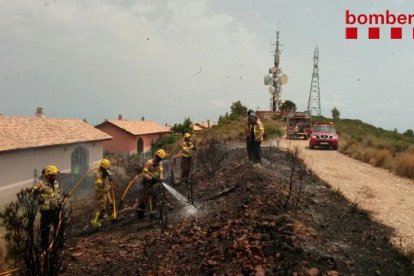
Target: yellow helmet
[187, 135]
[105, 164]
[51, 170]
[161, 153]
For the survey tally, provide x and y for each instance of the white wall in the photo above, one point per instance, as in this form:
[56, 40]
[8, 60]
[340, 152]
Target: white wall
[17, 167]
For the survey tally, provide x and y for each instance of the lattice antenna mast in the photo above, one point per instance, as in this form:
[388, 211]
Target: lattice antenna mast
[276, 92]
[274, 80]
[277, 51]
[314, 102]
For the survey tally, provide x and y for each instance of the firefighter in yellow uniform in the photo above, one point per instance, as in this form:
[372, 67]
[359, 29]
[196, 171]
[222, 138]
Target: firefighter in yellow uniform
[254, 132]
[187, 156]
[151, 184]
[47, 191]
[102, 181]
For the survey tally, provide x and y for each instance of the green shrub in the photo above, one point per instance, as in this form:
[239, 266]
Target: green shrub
[166, 142]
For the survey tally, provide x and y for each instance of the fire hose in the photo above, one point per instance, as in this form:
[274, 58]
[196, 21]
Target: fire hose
[114, 214]
[78, 183]
[9, 272]
[126, 190]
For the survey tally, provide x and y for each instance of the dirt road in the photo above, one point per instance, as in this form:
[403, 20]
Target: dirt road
[389, 198]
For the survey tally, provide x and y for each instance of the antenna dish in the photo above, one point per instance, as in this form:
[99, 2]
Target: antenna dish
[283, 79]
[267, 79]
[271, 89]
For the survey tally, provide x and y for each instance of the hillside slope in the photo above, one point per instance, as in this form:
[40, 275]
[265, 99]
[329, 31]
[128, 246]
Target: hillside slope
[376, 146]
[247, 230]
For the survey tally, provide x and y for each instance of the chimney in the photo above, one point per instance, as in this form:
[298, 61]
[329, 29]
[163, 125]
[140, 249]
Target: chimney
[1, 114]
[120, 117]
[142, 118]
[40, 113]
[84, 120]
[165, 123]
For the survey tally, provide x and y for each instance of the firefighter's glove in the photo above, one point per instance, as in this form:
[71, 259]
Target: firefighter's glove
[155, 180]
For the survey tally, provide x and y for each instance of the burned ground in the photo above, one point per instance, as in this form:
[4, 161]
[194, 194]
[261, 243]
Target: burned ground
[244, 226]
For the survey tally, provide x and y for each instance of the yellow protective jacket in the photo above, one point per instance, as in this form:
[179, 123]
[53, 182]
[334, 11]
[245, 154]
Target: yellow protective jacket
[152, 170]
[187, 149]
[258, 130]
[48, 194]
[102, 182]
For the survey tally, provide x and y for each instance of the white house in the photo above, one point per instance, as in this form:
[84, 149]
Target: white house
[28, 144]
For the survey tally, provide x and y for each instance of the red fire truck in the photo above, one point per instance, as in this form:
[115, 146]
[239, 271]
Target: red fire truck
[298, 125]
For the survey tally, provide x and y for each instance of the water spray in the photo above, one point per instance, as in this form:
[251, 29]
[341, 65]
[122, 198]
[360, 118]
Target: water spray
[177, 195]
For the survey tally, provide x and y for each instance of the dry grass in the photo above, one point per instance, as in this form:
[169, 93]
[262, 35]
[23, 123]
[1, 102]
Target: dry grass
[378, 158]
[373, 156]
[364, 194]
[402, 164]
[405, 165]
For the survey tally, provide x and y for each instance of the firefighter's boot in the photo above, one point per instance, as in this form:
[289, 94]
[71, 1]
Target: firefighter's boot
[96, 221]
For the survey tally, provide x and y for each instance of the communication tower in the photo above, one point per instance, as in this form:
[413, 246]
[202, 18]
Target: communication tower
[275, 79]
[314, 102]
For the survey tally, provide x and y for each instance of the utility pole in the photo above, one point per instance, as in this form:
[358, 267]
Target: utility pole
[275, 79]
[314, 102]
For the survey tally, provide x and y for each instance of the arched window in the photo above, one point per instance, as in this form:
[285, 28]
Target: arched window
[140, 146]
[80, 160]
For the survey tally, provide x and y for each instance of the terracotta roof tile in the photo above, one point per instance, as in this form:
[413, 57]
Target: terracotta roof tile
[30, 132]
[202, 125]
[197, 128]
[139, 127]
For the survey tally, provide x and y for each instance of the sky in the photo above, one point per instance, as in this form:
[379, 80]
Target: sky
[168, 60]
